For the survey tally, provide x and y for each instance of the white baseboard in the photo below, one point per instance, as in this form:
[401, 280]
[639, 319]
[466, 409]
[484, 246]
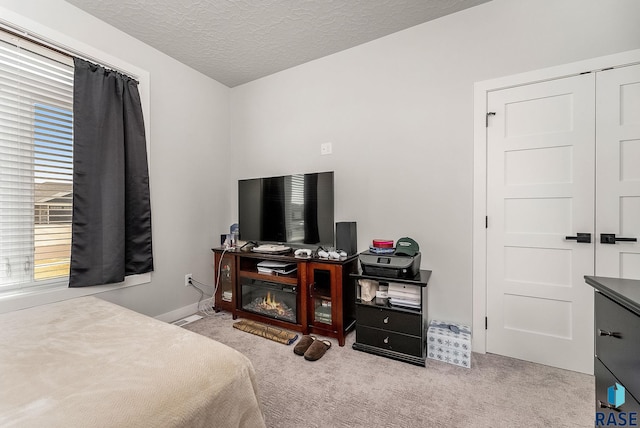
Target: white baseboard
[179, 313]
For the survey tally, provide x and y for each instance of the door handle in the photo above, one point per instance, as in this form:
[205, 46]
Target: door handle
[609, 333]
[607, 406]
[611, 238]
[310, 289]
[584, 238]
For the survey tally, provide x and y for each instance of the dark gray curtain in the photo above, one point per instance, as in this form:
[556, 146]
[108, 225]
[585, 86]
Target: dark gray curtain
[111, 226]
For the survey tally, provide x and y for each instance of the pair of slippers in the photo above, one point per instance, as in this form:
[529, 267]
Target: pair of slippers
[312, 348]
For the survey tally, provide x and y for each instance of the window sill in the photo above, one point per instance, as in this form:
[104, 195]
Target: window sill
[27, 299]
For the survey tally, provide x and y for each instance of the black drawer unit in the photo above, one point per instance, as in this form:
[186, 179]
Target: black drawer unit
[618, 341]
[617, 349]
[390, 341]
[605, 380]
[393, 331]
[382, 318]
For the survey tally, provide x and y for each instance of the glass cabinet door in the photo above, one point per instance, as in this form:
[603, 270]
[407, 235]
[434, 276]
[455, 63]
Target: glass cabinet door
[320, 296]
[225, 280]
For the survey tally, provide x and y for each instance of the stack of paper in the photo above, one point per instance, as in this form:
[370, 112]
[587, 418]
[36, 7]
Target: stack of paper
[405, 295]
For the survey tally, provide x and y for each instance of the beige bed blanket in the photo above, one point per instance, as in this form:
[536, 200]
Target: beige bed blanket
[89, 363]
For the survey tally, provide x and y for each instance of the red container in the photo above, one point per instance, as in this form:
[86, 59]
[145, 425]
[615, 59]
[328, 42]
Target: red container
[382, 243]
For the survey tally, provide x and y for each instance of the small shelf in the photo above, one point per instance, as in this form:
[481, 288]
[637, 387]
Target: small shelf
[388, 306]
[283, 279]
[320, 293]
[422, 279]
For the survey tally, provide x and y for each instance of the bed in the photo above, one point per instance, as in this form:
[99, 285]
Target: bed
[86, 362]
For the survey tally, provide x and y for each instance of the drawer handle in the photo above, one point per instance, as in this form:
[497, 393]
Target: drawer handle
[607, 406]
[609, 333]
[386, 320]
[386, 340]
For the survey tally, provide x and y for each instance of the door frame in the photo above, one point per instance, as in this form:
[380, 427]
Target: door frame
[481, 93]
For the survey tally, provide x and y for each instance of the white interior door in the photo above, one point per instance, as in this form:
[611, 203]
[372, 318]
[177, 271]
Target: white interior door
[618, 172]
[540, 188]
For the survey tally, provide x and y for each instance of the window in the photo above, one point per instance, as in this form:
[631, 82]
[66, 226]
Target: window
[36, 155]
[294, 211]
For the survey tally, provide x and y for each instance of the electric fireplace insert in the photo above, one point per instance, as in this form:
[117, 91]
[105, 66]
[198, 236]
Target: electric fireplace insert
[270, 299]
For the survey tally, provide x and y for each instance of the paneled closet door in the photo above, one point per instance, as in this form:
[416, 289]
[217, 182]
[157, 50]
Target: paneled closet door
[618, 173]
[540, 188]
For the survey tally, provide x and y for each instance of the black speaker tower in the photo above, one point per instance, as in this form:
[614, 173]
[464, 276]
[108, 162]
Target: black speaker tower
[347, 237]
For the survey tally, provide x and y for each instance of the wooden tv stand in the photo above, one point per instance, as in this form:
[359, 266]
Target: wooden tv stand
[324, 295]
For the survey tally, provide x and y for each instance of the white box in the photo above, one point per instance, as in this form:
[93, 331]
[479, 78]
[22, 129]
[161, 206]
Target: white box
[449, 342]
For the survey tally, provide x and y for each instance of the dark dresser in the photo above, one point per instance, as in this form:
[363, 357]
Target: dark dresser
[391, 331]
[617, 346]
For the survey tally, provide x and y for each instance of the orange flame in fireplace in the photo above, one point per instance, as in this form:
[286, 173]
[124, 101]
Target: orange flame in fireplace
[269, 302]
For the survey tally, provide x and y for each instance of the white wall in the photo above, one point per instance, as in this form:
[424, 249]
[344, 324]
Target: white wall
[189, 143]
[399, 112]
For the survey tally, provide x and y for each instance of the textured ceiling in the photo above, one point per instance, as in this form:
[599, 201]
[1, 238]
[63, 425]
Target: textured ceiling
[237, 41]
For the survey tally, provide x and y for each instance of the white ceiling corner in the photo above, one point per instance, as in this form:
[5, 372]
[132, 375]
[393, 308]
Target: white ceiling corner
[238, 41]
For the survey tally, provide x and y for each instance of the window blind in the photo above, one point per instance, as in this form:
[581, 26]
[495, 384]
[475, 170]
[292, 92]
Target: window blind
[294, 214]
[36, 169]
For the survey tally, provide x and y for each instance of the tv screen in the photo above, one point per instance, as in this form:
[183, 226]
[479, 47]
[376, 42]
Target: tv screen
[290, 209]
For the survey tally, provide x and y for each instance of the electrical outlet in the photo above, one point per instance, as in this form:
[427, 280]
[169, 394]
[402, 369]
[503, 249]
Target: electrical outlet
[325, 149]
[187, 279]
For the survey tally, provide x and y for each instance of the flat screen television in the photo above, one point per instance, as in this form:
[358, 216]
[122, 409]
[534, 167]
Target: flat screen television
[295, 209]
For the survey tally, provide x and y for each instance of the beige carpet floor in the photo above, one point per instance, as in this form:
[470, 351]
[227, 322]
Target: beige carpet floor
[348, 388]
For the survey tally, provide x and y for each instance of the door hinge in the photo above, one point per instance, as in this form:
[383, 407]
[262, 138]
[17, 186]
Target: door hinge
[486, 222]
[491, 113]
[486, 323]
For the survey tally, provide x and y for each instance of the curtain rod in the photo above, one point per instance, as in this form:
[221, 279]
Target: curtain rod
[57, 47]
